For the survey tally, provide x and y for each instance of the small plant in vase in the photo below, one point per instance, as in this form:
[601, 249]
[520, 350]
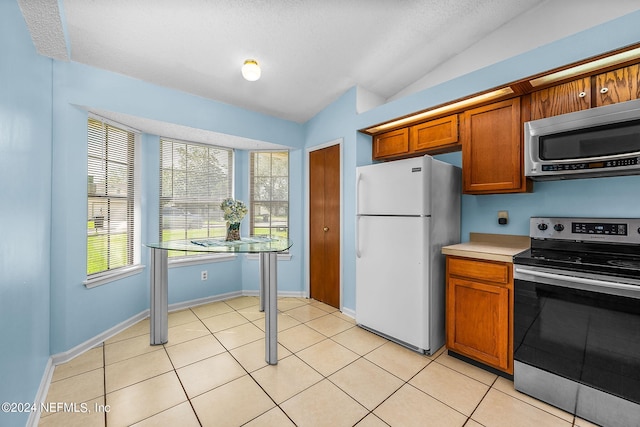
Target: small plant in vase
[234, 211]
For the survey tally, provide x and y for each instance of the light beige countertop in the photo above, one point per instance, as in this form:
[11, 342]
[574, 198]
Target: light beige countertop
[492, 247]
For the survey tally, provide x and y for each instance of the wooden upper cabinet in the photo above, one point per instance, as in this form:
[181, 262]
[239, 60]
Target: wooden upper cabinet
[391, 144]
[434, 134]
[492, 149]
[618, 85]
[565, 98]
[432, 137]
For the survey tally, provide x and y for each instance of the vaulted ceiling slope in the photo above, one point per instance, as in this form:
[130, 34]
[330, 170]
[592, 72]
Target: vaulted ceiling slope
[310, 51]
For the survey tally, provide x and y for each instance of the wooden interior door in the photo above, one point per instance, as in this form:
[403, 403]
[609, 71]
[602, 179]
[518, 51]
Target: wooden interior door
[324, 225]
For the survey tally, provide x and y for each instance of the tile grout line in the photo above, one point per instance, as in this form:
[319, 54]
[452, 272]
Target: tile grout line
[311, 367]
[104, 380]
[495, 380]
[245, 369]
[326, 377]
[180, 380]
[404, 383]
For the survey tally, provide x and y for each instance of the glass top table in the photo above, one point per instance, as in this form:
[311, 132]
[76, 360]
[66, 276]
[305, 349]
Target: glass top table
[266, 247]
[257, 244]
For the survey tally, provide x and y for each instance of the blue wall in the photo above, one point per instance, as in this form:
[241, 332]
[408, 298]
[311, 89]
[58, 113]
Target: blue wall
[606, 197]
[338, 121]
[45, 309]
[25, 212]
[105, 306]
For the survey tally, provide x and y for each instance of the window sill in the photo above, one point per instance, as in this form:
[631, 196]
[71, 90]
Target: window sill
[284, 256]
[202, 259]
[112, 276]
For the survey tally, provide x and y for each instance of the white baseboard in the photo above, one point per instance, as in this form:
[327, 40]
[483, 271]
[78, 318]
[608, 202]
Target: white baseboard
[59, 358]
[76, 351]
[349, 312]
[281, 294]
[206, 300]
[41, 394]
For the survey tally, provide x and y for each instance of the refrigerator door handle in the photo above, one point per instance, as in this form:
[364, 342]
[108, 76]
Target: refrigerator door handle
[358, 179]
[358, 254]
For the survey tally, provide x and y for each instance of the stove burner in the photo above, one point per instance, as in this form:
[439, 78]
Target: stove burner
[559, 257]
[632, 264]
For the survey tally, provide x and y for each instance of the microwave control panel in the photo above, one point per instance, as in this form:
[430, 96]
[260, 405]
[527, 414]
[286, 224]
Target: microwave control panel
[591, 165]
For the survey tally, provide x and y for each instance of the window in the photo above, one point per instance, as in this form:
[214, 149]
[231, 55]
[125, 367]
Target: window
[269, 193]
[111, 201]
[194, 179]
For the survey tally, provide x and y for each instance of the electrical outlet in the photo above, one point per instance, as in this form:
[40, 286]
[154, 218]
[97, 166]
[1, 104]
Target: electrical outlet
[203, 275]
[503, 217]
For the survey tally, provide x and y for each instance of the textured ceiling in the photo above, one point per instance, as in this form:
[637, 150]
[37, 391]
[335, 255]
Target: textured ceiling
[311, 51]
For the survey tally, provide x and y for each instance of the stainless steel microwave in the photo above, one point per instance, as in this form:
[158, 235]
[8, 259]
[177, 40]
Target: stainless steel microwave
[602, 141]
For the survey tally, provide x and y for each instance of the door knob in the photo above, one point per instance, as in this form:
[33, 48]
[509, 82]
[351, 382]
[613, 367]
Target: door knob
[326, 229]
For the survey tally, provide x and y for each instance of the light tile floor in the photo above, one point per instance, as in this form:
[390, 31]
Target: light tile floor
[330, 372]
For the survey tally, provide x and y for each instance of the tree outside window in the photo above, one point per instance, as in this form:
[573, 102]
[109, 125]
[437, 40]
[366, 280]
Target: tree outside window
[269, 193]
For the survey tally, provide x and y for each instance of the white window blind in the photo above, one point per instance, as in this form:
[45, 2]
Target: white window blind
[269, 193]
[110, 194]
[194, 179]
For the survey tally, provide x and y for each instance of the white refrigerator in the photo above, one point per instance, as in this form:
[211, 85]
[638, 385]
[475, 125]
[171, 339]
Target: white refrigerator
[406, 211]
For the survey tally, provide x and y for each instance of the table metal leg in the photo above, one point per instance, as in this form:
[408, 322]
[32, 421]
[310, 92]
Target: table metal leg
[263, 280]
[269, 289]
[159, 306]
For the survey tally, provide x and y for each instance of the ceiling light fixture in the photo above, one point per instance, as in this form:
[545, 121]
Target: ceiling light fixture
[251, 70]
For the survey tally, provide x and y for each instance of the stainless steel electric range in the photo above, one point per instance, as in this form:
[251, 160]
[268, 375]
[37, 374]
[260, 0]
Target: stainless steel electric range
[577, 317]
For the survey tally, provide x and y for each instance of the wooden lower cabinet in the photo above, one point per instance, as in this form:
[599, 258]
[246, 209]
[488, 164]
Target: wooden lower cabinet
[479, 311]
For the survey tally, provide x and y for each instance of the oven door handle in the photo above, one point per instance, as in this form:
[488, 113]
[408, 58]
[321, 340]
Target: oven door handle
[580, 280]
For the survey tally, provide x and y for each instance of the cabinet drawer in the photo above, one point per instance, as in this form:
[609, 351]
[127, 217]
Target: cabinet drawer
[497, 272]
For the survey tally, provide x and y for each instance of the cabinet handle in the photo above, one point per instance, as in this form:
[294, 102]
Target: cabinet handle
[326, 229]
[582, 94]
[604, 90]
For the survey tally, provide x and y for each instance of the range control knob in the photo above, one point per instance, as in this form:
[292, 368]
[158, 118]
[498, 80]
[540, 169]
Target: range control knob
[558, 227]
[542, 226]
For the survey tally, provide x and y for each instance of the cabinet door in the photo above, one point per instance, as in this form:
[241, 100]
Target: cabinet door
[618, 85]
[434, 134]
[478, 321]
[492, 149]
[390, 144]
[565, 98]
